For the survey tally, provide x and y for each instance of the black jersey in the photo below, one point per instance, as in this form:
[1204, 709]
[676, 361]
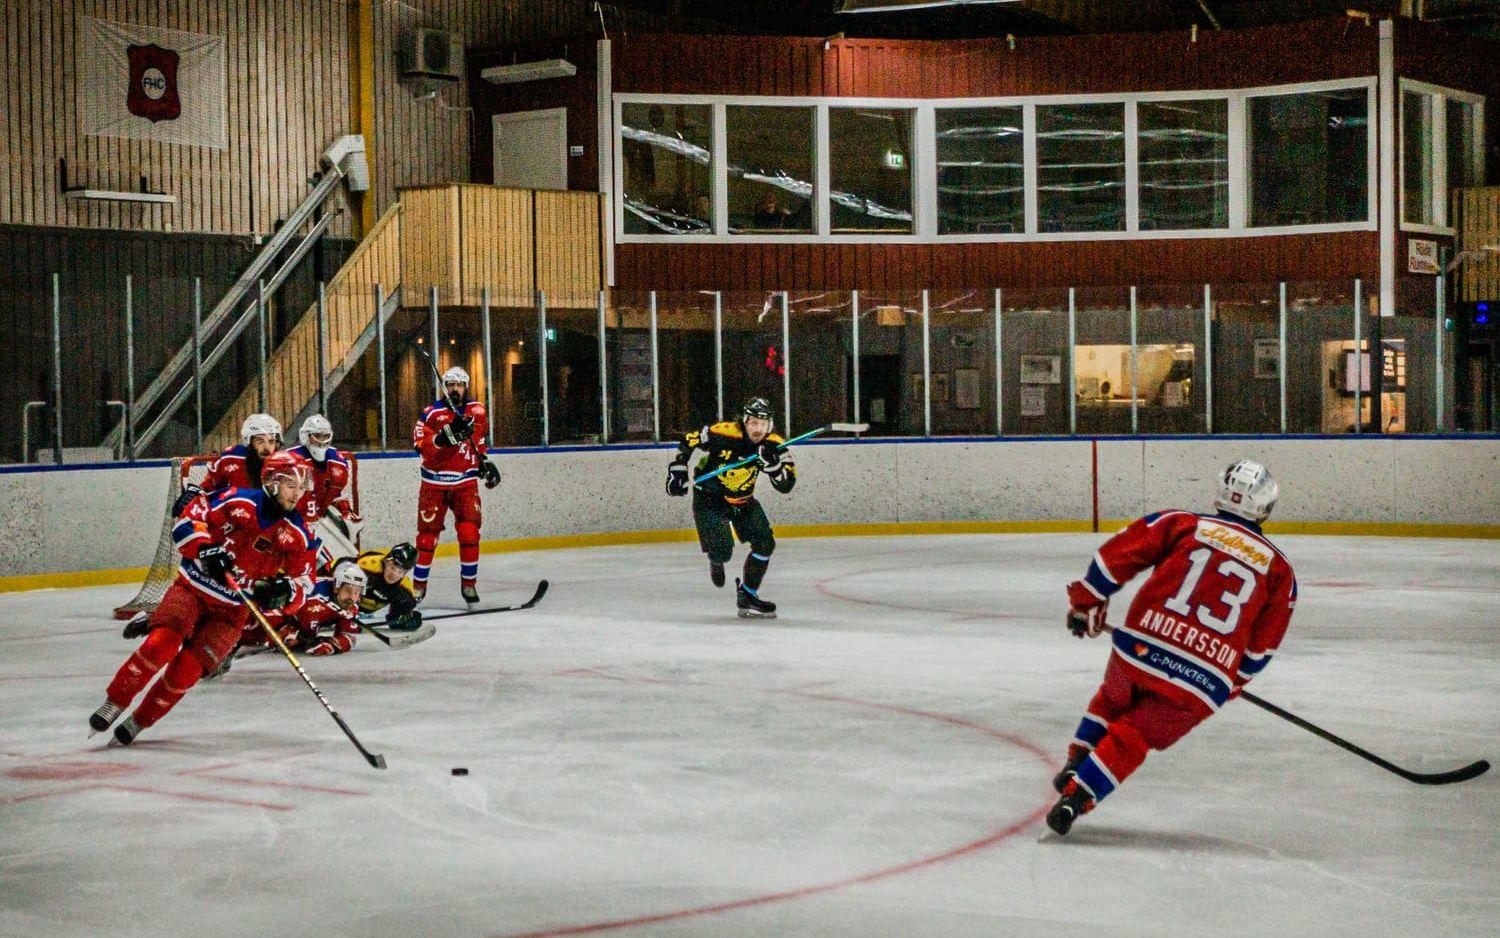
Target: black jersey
[724, 443]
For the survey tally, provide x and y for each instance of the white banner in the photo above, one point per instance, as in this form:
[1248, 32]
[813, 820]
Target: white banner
[149, 83]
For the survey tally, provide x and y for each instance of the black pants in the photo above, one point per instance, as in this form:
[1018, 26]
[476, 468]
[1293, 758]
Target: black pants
[719, 523]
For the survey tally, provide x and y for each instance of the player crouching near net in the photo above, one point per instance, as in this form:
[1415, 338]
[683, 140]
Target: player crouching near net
[1205, 622]
[725, 506]
[254, 535]
[449, 436]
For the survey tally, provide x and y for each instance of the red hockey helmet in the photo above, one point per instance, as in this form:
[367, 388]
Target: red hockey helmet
[284, 467]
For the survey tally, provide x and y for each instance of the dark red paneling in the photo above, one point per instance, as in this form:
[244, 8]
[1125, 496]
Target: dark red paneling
[578, 94]
[751, 266]
[1310, 51]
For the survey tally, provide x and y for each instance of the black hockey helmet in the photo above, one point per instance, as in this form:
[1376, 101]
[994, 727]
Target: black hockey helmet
[756, 407]
[403, 555]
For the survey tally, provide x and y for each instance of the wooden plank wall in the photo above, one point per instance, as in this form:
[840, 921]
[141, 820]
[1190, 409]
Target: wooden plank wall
[1479, 225]
[430, 247]
[497, 245]
[286, 63]
[567, 248]
[292, 372]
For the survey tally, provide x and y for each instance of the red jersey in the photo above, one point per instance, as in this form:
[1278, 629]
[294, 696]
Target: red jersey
[263, 542]
[1213, 611]
[449, 466]
[319, 618]
[232, 470]
[330, 478]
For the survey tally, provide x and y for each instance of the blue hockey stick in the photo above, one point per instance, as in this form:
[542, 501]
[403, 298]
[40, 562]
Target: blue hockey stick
[826, 428]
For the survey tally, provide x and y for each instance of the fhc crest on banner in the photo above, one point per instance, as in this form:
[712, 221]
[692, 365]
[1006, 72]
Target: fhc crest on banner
[150, 83]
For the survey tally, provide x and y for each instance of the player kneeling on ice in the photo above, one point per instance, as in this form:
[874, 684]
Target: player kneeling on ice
[449, 436]
[257, 536]
[725, 506]
[1204, 623]
[388, 585]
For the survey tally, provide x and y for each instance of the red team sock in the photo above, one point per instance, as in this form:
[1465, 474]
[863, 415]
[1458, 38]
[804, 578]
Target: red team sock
[468, 552]
[184, 671]
[155, 652]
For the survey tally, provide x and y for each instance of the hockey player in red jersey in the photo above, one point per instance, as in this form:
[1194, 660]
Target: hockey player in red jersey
[255, 534]
[238, 467]
[327, 623]
[330, 472]
[1205, 622]
[450, 438]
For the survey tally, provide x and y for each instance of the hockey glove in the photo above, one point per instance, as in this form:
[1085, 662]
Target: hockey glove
[189, 492]
[677, 478]
[770, 457]
[489, 473]
[216, 561]
[784, 476]
[1090, 622]
[408, 621]
[457, 432]
[273, 592]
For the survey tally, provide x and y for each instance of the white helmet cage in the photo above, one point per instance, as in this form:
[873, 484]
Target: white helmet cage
[316, 426]
[1246, 489]
[259, 425]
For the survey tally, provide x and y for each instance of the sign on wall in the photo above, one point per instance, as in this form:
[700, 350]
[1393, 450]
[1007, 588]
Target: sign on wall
[150, 83]
[1422, 256]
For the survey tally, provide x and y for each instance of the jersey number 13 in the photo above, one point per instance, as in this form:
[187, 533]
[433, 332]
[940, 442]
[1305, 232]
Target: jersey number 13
[1232, 601]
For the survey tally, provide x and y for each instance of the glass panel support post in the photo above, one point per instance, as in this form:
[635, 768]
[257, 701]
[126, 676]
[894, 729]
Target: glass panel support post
[541, 337]
[489, 382]
[1069, 390]
[129, 369]
[655, 377]
[1281, 354]
[719, 351]
[999, 364]
[854, 349]
[198, 363]
[603, 371]
[1359, 361]
[1208, 358]
[926, 365]
[1135, 365]
[786, 363]
[380, 359]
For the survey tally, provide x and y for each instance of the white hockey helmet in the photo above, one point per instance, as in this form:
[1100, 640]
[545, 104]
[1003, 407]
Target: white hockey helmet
[455, 375]
[350, 574]
[316, 433]
[259, 425]
[1247, 490]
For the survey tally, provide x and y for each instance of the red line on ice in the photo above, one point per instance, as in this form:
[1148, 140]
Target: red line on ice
[973, 846]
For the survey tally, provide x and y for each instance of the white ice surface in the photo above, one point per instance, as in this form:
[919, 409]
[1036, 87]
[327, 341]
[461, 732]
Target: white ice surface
[875, 762]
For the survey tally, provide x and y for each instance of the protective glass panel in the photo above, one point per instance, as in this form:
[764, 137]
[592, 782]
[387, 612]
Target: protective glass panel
[1034, 356]
[1320, 341]
[980, 172]
[870, 169]
[770, 169]
[1080, 167]
[1308, 158]
[1184, 164]
[821, 371]
[890, 362]
[1416, 158]
[1247, 358]
[665, 149]
[1103, 364]
[1169, 359]
[754, 353]
[963, 362]
[573, 402]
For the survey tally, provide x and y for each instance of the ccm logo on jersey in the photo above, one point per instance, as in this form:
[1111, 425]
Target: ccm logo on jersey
[1234, 543]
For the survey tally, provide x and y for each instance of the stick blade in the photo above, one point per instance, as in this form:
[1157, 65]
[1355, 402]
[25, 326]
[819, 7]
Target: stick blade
[848, 427]
[1472, 770]
[376, 759]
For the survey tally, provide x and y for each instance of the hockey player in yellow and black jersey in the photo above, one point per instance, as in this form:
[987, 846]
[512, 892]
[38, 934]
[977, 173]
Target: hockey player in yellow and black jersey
[389, 587]
[725, 506]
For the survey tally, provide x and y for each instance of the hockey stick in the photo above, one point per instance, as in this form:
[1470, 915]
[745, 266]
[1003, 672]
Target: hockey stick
[826, 428]
[375, 759]
[541, 590]
[1472, 770]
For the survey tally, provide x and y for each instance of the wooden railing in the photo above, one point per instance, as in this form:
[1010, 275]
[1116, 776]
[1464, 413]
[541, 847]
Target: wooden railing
[292, 372]
[1478, 224]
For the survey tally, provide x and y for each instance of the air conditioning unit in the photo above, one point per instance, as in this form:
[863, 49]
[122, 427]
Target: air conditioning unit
[529, 71]
[429, 55]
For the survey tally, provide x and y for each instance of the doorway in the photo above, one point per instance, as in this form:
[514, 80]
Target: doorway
[880, 393]
[531, 149]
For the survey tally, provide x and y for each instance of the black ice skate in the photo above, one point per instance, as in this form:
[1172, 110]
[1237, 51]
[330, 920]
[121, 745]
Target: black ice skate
[1076, 755]
[1074, 803]
[138, 626]
[751, 606]
[716, 573]
[103, 717]
[127, 732]
[471, 596]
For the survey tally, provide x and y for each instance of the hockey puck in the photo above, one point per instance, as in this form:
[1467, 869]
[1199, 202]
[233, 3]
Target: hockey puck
[460, 771]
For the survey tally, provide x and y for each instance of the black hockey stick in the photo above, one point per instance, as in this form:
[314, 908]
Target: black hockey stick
[541, 590]
[375, 759]
[1472, 770]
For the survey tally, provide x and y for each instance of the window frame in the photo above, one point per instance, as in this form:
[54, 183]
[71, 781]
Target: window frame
[1439, 96]
[924, 168]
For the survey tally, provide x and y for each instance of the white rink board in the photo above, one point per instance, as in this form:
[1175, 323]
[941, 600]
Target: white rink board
[872, 763]
[99, 519]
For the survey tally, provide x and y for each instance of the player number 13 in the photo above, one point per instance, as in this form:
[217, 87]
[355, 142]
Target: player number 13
[1234, 601]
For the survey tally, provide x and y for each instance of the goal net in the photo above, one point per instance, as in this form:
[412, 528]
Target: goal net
[186, 469]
